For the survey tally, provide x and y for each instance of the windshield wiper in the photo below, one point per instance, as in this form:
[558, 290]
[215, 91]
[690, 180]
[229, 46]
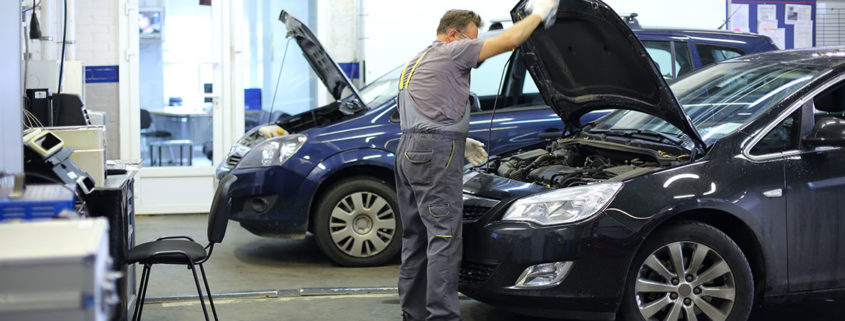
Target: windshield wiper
[647, 134]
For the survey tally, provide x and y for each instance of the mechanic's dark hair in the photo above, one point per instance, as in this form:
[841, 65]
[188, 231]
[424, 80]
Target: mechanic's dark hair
[458, 19]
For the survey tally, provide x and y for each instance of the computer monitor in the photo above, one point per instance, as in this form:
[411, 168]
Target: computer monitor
[71, 111]
[50, 112]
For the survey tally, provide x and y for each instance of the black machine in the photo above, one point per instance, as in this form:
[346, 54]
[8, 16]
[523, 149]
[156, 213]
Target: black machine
[56, 109]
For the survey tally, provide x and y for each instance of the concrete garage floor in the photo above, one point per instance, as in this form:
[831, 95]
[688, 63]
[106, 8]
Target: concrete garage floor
[279, 274]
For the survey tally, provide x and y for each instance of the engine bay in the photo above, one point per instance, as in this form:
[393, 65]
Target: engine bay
[331, 113]
[573, 162]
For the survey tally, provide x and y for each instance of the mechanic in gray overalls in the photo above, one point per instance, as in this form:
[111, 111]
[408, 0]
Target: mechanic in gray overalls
[434, 111]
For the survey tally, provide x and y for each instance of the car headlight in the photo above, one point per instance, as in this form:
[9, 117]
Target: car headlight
[244, 144]
[566, 205]
[273, 152]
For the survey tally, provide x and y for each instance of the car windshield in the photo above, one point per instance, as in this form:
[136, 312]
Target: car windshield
[382, 89]
[721, 99]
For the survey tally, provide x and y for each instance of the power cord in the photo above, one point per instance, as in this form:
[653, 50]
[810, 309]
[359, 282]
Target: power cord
[34, 32]
[62, 64]
[34, 5]
[496, 102]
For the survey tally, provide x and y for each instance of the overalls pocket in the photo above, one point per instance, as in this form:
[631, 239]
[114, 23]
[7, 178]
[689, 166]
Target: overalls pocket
[419, 171]
[440, 216]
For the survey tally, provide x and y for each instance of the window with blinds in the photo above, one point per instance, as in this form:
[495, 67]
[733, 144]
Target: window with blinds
[830, 23]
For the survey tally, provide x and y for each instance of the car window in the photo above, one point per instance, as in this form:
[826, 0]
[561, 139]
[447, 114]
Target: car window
[529, 86]
[485, 79]
[782, 138]
[710, 54]
[661, 53]
[830, 103]
[529, 94]
[721, 98]
[382, 89]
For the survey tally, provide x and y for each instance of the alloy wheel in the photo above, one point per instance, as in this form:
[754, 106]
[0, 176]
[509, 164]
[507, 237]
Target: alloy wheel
[685, 281]
[362, 224]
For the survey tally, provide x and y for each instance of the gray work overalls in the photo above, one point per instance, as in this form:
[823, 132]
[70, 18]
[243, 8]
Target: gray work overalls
[429, 162]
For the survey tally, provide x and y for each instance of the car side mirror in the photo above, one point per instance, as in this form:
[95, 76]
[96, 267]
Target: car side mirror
[474, 102]
[828, 131]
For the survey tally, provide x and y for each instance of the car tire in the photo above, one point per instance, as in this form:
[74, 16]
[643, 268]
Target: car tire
[717, 284]
[357, 222]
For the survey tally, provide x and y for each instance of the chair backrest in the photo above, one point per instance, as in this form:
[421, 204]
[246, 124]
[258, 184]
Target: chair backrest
[218, 217]
[146, 119]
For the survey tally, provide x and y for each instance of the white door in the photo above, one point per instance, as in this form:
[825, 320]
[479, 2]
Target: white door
[184, 105]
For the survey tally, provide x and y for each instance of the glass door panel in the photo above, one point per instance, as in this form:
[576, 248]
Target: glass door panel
[178, 78]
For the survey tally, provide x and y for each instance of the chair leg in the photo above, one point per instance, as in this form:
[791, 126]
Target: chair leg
[207, 290]
[199, 291]
[142, 293]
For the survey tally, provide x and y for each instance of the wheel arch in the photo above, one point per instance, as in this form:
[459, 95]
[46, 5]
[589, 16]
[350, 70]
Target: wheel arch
[374, 170]
[737, 230]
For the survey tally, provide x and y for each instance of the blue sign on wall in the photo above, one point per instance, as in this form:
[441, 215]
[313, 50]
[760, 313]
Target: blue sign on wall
[351, 69]
[252, 98]
[101, 74]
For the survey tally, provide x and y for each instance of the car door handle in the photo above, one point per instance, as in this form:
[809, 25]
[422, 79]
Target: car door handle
[775, 193]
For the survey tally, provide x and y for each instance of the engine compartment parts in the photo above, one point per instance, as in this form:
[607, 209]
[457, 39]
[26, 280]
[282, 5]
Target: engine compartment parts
[574, 162]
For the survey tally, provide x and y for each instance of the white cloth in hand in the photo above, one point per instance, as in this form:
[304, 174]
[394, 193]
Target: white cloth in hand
[271, 131]
[545, 8]
[475, 152]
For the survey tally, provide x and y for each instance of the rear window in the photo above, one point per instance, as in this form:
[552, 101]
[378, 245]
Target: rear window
[670, 66]
[711, 54]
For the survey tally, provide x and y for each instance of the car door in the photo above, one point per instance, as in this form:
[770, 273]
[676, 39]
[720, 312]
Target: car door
[815, 204]
[765, 198]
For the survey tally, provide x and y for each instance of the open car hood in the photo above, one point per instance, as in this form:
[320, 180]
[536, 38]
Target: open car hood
[324, 66]
[590, 60]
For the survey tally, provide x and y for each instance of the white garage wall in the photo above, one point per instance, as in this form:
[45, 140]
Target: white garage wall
[396, 30]
[698, 14]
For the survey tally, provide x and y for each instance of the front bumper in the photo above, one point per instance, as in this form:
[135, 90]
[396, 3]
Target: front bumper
[270, 201]
[497, 252]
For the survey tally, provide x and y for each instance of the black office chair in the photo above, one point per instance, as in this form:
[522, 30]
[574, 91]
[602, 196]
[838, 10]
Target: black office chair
[184, 250]
[146, 122]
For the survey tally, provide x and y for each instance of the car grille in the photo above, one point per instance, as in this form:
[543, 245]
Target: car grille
[233, 160]
[473, 213]
[475, 273]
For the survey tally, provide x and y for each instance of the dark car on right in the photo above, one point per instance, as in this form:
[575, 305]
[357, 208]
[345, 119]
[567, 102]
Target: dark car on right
[689, 202]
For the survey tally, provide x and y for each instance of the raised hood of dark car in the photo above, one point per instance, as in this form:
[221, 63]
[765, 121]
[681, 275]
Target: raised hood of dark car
[590, 60]
[323, 64]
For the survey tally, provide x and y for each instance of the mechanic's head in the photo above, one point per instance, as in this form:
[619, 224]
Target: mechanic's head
[458, 25]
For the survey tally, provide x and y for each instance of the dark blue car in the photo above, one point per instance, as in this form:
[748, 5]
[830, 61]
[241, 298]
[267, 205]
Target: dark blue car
[333, 174]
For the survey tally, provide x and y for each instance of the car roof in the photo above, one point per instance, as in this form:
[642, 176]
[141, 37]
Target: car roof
[822, 58]
[691, 31]
[666, 31]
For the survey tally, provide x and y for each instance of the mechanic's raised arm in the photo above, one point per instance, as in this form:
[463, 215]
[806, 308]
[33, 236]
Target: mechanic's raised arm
[519, 32]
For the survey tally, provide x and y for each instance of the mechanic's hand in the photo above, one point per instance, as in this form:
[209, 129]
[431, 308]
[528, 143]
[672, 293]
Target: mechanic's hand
[271, 131]
[544, 8]
[475, 152]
